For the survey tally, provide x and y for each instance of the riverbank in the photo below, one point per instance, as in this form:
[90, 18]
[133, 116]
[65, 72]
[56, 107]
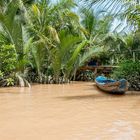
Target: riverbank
[76, 111]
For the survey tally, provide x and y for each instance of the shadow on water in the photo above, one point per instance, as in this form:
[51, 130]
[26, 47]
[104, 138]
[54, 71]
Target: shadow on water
[94, 96]
[100, 95]
[132, 93]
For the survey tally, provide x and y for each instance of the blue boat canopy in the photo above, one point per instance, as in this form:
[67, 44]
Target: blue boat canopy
[103, 80]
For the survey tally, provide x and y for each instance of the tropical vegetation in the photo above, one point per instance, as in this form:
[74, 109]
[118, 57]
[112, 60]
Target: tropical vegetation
[47, 42]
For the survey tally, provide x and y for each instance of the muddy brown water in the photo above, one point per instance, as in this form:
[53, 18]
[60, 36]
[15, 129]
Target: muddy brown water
[76, 111]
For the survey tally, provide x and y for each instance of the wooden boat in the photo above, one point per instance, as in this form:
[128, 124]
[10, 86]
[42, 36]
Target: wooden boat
[110, 85]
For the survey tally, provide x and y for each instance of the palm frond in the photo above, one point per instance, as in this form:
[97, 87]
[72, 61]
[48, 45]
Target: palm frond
[71, 64]
[91, 52]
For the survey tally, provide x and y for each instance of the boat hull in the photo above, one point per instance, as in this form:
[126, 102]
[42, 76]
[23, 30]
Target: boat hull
[112, 86]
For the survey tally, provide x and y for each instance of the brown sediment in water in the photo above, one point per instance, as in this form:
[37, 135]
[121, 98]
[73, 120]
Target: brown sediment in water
[76, 111]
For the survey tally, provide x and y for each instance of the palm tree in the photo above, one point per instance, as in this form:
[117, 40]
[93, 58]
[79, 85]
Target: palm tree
[49, 39]
[122, 9]
[96, 27]
[128, 9]
[12, 31]
[47, 20]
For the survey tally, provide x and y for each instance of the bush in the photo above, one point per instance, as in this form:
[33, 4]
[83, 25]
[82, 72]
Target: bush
[6, 80]
[87, 75]
[8, 58]
[131, 71]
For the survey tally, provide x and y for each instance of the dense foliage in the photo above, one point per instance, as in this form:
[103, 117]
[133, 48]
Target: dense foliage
[131, 71]
[49, 43]
[8, 59]
[46, 42]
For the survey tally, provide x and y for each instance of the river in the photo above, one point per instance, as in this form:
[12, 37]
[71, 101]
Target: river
[76, 111]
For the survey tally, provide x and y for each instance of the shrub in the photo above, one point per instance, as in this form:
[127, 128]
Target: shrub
[131, 71]
[8, 58]
[87, 75]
